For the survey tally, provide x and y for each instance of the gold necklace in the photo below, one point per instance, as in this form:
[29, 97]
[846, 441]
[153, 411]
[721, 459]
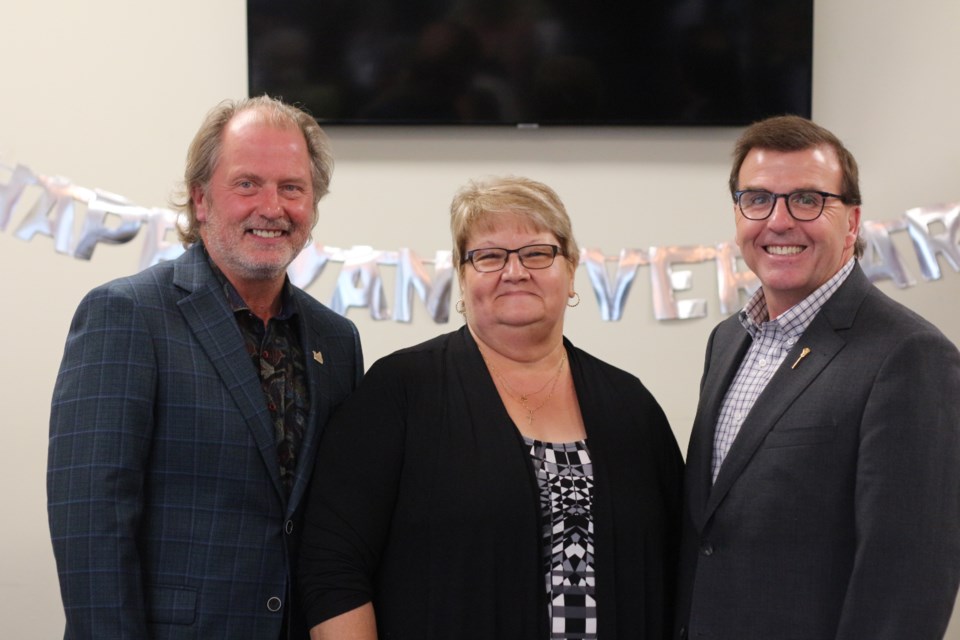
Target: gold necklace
[522, 398]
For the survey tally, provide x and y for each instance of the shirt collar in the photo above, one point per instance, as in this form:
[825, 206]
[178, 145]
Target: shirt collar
[795, 320]
[235, 300]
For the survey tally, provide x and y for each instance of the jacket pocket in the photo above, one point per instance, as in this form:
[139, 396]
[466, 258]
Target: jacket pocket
[171, 605]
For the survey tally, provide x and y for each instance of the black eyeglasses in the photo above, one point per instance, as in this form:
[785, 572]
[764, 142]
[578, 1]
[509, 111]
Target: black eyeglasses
[802, 205]
[532, 256]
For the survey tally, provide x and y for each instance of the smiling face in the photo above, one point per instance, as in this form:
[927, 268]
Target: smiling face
[257, 211]
[515, 297]
[793, 258]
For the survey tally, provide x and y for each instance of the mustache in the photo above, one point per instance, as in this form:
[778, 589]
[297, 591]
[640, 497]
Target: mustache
[266, 224]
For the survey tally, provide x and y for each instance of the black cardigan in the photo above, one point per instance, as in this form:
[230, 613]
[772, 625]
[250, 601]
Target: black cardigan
[424, 501]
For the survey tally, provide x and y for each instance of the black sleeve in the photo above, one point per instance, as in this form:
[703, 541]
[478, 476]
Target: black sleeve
[353, 494]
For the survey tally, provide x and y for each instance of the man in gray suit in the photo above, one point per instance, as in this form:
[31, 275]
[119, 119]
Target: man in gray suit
[190, 401]
[823, 471]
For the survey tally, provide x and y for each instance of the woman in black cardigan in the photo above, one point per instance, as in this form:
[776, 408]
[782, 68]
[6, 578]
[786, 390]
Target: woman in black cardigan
[496, 482]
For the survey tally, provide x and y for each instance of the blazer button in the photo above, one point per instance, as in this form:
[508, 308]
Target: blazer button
[274, 604]
[706, 549]
[683, 633]
[288, 527]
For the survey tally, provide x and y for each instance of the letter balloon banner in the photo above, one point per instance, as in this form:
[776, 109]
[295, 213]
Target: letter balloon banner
[78, 219]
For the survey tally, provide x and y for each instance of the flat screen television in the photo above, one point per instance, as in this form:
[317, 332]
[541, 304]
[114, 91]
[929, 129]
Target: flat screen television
[534, 62]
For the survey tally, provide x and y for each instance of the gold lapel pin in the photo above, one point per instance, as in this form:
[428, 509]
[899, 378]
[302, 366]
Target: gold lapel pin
[319, 357]
[803, 354]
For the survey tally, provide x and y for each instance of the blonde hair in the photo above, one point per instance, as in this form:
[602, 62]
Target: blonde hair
[481, 205]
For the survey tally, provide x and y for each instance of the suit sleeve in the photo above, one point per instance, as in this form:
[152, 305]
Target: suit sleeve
[708, 352]
[357, 355]
[100, 429]
[907, 564]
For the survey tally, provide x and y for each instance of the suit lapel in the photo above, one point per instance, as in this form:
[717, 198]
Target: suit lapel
[730, 346]
[208, 315]
[318, 381]
[782, 390]
[824, 339]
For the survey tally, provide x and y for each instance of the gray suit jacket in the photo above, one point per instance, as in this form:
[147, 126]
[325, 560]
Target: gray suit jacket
[166, 509]
[836, 513]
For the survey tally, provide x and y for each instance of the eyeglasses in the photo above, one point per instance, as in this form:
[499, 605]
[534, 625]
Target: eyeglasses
[802, 205]
[532, 256]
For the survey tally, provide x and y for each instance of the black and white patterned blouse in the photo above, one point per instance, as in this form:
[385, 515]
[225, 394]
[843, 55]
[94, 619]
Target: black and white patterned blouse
[565, 475]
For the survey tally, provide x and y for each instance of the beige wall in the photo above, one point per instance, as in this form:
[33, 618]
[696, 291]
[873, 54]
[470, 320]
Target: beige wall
[109, 92]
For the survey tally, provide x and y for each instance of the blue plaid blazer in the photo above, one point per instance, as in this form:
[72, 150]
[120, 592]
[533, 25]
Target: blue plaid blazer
[166, 510]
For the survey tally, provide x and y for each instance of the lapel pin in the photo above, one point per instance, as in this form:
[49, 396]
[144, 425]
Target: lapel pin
[803, 354]
[319, 357]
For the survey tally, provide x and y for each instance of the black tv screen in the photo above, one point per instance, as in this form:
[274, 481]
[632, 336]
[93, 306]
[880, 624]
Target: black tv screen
[534, 62]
